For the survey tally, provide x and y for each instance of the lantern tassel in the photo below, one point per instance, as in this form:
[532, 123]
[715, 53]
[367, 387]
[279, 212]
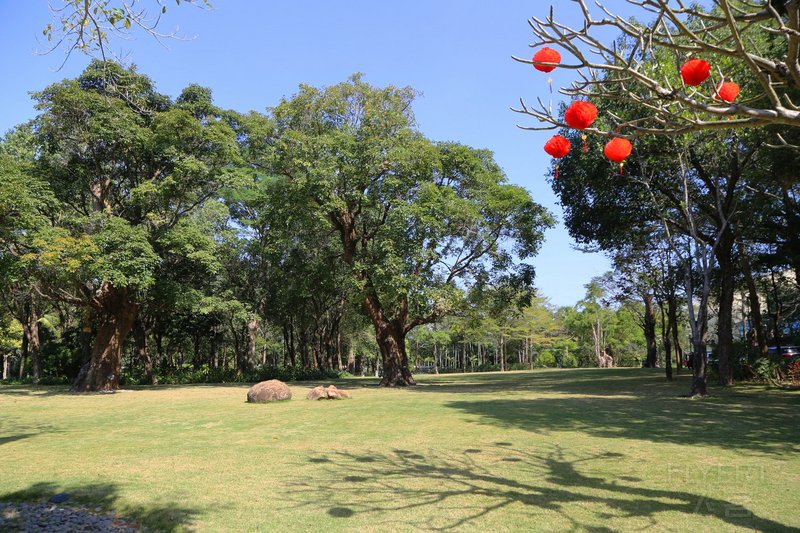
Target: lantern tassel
[620, 169]
[585, 147]
[556, 170]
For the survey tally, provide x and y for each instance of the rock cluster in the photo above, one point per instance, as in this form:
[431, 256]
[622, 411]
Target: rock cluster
[269, 391]
[327, 393]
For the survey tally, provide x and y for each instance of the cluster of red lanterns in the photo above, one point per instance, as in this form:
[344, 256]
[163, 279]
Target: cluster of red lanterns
[581, 114]
[696, 71]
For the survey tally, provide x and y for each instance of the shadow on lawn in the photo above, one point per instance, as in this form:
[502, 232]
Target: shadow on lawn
[166, 516]
[452, 492]
[763, 424]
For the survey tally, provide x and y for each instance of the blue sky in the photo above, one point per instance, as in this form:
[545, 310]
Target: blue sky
[457, 53]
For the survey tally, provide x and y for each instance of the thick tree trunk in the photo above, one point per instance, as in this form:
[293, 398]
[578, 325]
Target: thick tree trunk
[649, 325]
[391, 338]
[116, 314]
[392, 343]
[725, 317]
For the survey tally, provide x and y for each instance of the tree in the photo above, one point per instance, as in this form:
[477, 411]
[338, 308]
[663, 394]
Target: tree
[413, 217]
[89, 25]
[760, 38]
[24, 200]
[127, 165]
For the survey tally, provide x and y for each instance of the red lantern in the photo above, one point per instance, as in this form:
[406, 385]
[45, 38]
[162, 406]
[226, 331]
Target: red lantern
[546, 59]
[695, 71]
[580, 115]
[727, 91]
[558, 146]
[617, 150]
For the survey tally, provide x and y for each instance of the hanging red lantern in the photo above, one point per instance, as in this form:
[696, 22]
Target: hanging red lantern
[695, 71]
[617, 150]
[546, 59]
[558, 146]
[727, 91]
[580, 115]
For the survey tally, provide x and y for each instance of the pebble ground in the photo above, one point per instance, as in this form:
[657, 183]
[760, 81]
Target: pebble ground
[46, 517]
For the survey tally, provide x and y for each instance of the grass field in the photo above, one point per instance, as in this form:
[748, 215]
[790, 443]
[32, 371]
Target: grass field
[557, 450]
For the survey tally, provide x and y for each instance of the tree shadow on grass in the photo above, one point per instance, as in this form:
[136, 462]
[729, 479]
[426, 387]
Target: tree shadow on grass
[454, 492]
[762, 424]
[13, 430]
[166, 516]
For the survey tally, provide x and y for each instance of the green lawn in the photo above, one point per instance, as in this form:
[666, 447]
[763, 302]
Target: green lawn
[557, 450]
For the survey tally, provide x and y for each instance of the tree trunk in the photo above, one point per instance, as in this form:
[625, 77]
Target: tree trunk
[666, 341]
[249, 358]
[649, 324]
[351, 355]
[116, 314]
[756, 320]
[502, 354]
[30, 330]
[725, 318]
[391, 338]
[392, 343]
[339, 364]
[197, 356]
[140, 335]
[699, 383]
[23, 356]
[216, 337]
[672, 320]
[6, 365]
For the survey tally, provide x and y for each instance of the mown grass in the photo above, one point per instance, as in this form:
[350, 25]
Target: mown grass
[557, 450]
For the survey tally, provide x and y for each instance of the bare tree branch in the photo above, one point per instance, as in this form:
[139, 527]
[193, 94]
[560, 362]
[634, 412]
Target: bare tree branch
[635, 66]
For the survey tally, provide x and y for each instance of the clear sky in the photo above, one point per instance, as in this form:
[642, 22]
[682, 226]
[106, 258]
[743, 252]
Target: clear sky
[457, 53]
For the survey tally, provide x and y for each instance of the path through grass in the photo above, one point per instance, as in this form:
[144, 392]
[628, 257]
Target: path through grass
[558, 450]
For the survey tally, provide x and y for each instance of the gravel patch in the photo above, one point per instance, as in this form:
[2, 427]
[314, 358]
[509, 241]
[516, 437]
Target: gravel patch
[41, 517]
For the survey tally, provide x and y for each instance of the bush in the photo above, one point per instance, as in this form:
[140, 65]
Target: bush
[205, 374]
[546, 359]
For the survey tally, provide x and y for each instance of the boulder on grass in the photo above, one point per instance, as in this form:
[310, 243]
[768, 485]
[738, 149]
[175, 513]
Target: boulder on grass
[269, 391]
[327, 393]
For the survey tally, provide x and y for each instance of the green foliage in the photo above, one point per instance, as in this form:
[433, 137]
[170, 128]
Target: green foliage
[206, 374]
[10, 334]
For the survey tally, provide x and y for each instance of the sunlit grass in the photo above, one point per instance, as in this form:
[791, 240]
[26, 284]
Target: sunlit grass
[568, 450]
